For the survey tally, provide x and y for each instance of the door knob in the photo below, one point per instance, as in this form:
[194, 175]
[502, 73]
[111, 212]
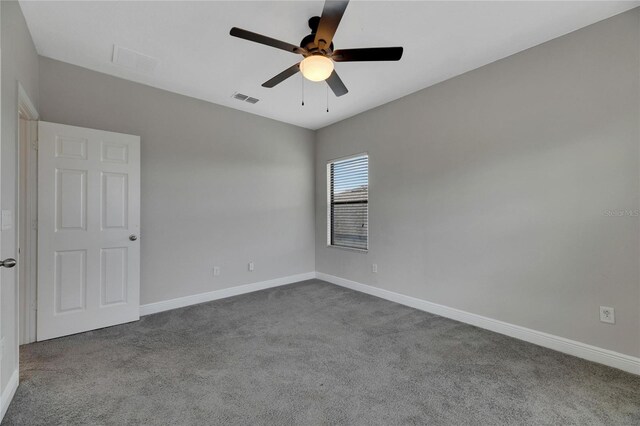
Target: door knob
[8, 263]
[133, 237]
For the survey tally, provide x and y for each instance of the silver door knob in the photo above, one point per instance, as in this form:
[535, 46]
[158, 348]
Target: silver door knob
[133, 237]
[8, 263]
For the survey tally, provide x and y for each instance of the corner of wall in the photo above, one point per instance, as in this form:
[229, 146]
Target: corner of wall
[8, 393]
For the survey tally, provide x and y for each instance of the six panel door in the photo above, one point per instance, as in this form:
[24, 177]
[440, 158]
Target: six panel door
[88, 224]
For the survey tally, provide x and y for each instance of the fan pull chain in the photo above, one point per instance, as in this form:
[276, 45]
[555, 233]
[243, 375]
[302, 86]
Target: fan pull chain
[327, 98]
[302, 77]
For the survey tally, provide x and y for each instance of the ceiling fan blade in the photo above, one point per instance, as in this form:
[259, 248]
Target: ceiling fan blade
[368, 54]
[336, 84]
[331, 16]
[282, 76]
[259, 38]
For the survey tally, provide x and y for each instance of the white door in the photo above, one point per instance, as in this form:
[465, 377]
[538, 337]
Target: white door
[88, 227]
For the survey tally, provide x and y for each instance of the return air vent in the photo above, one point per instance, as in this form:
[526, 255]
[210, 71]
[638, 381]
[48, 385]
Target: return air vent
[245, 98]
[133, 60]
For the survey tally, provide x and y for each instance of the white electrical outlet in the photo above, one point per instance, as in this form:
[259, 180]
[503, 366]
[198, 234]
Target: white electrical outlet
[251, 267]
[374, 268]
[216, 271]
[607, 314]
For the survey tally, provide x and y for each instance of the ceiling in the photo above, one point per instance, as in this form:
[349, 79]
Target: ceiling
[197, 57]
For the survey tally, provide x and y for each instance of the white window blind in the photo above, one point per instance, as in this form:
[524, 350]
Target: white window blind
[348, 202]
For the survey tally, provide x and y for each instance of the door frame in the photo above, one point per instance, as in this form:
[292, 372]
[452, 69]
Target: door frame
[27, 257]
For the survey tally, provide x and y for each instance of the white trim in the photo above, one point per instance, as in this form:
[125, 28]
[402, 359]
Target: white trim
[25, 102]
[613, 359]
[26, 323]
[624, 362]
[26, 234]
[348, 157]
[329, 188]
[30, 218]
[180, 302]
[9, 391]
[357, 250]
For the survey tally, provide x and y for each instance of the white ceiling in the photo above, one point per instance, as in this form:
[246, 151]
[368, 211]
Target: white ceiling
[197, 57]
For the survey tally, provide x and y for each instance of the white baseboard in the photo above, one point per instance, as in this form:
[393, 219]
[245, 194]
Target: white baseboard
[581, 350]
[9, 391]
[181, 302]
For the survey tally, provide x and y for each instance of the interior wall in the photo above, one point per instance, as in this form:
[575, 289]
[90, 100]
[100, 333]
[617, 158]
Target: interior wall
[511, 191]
[19, 64]
[219, 187]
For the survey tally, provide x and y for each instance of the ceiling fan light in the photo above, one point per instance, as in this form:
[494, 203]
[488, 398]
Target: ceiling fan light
[316, 67]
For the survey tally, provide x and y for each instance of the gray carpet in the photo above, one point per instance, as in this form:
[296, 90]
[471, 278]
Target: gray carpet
[311, 353]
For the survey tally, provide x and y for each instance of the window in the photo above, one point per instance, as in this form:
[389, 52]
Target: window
[348, 203]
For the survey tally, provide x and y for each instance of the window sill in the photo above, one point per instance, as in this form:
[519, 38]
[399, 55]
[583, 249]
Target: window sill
[357, 250]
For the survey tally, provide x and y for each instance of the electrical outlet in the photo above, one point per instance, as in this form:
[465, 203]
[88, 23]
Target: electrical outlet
[251, 267]
[216, 271]
[374, 268]
[607, 315]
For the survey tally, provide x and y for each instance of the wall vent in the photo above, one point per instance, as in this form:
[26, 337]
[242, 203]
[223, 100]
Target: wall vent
[240, 96]
[244, 98]
[133, 60]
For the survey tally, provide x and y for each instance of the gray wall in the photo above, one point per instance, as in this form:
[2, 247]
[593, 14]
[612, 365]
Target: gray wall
[19, 63]
[489, 192]
[219, 186]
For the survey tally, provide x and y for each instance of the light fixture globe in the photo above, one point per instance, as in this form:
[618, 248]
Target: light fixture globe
[316, 67]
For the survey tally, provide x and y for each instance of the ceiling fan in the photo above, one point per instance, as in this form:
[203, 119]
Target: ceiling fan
[317, 49]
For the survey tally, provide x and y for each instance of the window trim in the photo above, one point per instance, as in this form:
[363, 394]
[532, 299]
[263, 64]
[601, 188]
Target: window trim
[328, 199]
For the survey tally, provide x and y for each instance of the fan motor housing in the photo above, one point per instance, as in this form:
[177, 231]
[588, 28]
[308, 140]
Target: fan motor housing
[309, 41]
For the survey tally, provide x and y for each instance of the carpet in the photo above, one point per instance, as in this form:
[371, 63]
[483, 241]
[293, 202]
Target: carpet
[311, 353]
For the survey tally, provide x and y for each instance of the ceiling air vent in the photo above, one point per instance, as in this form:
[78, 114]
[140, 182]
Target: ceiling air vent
[133, 60]
[244, 98]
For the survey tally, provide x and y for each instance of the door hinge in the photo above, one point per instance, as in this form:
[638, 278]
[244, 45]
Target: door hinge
[34, 144]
